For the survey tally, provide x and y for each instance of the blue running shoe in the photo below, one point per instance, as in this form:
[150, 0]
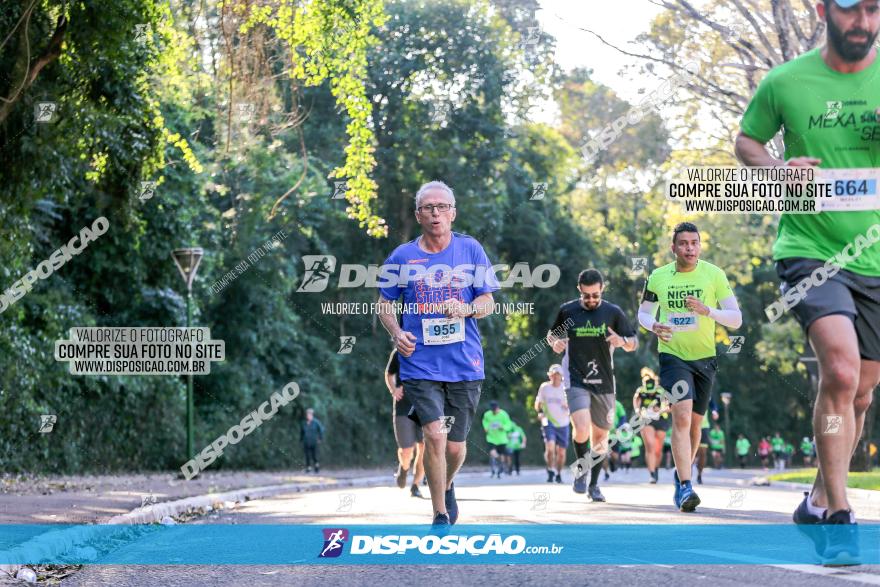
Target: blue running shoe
[440, 526]
[580, 484]
[676, 499]
[689, 498]
[842, 540]
[451, 504]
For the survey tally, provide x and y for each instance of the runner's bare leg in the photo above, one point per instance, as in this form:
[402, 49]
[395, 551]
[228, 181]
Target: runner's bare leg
[455, 454]
[435, 463]
[682, 439]
[834, 341]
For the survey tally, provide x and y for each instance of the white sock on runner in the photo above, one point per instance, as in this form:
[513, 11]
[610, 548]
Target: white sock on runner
[814, 509]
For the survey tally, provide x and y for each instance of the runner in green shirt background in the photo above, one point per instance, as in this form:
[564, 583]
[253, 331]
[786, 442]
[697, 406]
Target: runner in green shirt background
[807, 449]
[496, 424]
[742, 450]
[636, 451]
[777, 445]
[516, 441]
[624, 436]
[717, 446]
[789, 454]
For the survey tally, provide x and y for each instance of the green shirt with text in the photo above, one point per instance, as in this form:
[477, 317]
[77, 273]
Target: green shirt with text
[693, 335]
[830, 116]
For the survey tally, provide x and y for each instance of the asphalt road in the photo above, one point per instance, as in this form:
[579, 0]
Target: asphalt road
[727, 498]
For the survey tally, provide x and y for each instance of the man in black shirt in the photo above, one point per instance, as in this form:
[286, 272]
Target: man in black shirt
[588, 329]
[407, 433]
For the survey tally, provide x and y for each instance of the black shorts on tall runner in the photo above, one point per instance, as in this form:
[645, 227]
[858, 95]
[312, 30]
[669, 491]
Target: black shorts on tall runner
[661, 424]
[501, 449]
[846, 293]
[699, 376]
[432, 400]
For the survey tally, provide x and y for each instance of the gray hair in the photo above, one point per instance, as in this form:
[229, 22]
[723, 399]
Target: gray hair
[434, 185]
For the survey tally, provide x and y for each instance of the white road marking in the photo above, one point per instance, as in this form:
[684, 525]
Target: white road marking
[837, 573]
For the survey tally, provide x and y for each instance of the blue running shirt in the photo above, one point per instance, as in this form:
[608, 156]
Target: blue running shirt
[461, 271]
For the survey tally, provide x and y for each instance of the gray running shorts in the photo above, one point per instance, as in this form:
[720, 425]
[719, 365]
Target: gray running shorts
[601, 405]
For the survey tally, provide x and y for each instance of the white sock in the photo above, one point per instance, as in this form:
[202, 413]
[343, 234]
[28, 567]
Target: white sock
[814, 509]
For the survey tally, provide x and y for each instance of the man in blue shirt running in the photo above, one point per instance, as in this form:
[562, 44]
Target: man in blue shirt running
[446, 282]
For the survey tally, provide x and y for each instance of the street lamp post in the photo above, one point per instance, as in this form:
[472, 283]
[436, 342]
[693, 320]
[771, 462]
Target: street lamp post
[728, 443]
[187, 261]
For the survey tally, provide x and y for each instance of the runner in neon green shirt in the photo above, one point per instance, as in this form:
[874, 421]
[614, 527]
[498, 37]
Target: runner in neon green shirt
[619, 413]
[826, 101]
[717, 445]
[807, 450]
[742, 450]
[497, 424]
[516, 441]
[692, 296]
[777, 445]
[623, 448]
[636, 447]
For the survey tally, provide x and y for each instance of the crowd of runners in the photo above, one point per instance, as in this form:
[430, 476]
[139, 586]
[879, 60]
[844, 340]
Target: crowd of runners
[438, 382]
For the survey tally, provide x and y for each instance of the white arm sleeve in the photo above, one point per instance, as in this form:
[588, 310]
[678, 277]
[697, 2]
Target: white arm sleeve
[647, 311]
[729, 315]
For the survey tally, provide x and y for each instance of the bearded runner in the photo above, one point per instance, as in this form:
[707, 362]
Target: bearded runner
[827, 101]
[594, 328]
